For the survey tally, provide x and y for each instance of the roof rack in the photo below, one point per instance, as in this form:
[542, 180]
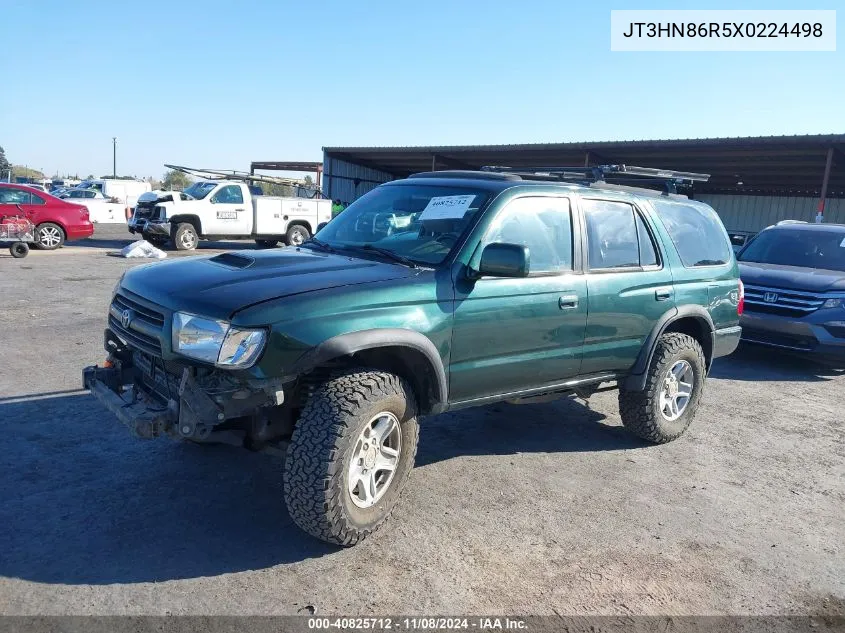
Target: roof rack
[620, 174]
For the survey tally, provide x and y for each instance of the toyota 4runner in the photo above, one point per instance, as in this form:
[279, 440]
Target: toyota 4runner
[441, 291]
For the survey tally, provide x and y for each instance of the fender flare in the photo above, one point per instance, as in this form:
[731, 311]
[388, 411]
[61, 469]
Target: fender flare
[352, 342]
[194, 219]
[637, 378]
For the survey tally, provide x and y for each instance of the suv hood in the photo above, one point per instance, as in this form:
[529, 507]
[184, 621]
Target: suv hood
[791, 277]
[222, 285]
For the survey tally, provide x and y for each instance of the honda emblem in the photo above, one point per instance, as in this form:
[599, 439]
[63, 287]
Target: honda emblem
[770, 297]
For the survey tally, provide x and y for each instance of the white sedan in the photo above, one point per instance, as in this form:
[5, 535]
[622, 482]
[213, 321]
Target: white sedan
[102, 209]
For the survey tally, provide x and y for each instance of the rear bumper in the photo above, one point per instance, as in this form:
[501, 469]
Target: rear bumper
[726, 340]
[814, 335]
[80, 231]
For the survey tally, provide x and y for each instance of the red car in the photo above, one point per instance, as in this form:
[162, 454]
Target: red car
[55, 220]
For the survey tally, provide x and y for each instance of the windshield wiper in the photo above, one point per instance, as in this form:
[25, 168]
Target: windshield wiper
[389, 254]
[319, 244]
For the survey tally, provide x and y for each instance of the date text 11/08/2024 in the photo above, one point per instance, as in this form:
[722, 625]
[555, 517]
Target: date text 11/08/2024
[418, 623]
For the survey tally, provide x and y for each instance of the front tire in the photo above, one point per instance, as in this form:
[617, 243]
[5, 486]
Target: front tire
[185, 237]
[350, 455]
[49, 236]
[296, 235]
[674, 385]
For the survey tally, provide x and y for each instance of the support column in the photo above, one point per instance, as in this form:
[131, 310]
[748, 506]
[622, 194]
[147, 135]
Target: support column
[825, 180]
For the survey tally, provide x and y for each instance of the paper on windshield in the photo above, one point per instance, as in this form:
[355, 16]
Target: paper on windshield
[446, 207]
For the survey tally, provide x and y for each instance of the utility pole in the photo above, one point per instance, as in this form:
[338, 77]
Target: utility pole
[114, 157]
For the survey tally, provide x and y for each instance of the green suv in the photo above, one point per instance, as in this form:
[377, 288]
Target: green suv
[438, 292]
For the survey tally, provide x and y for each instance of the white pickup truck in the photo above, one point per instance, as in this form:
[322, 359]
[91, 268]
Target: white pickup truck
[225, 209]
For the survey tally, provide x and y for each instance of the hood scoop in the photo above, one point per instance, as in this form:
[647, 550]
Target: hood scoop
[233, 260]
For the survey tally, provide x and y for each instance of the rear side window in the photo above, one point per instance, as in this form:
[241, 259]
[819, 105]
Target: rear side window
[696, 231]
[617, 236]
[14, 196]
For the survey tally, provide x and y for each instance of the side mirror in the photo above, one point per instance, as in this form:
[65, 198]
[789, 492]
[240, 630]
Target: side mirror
[504, 260]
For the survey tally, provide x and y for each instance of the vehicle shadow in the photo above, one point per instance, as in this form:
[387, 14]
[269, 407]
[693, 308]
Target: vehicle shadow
[85, 503]
[756, 363]
[562, 426]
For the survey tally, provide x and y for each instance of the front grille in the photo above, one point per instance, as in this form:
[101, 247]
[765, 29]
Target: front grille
[146, 324]
[782, 302]
[149, 211]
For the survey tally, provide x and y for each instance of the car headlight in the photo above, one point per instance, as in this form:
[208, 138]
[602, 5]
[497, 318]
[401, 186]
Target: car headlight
[833, 303]
[215, 341]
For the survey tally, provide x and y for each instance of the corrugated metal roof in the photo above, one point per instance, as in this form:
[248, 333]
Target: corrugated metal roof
[815, 139]
[742, 164]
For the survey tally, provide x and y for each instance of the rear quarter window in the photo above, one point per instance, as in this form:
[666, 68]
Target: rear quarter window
[696, 232]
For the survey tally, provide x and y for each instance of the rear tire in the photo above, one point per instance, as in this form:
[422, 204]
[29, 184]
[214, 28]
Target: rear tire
[330, 449]
[650, 414]
[296, 235]
[49, 236]
[185, 237]
[19, 250]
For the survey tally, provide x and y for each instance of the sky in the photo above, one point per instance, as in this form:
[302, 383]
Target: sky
[220, 84]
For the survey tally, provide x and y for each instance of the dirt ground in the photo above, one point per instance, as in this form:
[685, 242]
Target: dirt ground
[537, 509]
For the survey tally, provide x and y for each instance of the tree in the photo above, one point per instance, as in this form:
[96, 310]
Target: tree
[308, 180]
[273, 189]
[20, 171]
[176, 180]
[4, 164]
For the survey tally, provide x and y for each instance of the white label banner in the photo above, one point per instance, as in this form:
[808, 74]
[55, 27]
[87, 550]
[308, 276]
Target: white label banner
[723, 30]
[446, 207]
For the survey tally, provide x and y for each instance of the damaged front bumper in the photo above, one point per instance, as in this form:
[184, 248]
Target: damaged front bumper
[184, 402]
[149, 227]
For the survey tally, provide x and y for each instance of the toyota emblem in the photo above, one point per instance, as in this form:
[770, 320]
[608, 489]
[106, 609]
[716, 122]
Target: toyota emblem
[770, 297]
[126, 318]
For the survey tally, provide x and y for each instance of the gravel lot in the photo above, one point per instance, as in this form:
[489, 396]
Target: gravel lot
[537, 509]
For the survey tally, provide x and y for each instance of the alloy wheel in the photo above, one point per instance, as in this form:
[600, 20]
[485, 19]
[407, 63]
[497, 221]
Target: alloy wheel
[375, 458]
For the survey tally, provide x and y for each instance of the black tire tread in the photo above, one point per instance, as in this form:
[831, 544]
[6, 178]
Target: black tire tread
[636, 407]
[312, 467]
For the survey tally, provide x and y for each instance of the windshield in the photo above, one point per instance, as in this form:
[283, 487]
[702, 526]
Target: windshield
[804, 248]
[200, 190]
[420, 223]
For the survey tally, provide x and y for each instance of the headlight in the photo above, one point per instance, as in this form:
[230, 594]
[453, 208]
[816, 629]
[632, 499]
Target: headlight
[215, 341]
[833, 303]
